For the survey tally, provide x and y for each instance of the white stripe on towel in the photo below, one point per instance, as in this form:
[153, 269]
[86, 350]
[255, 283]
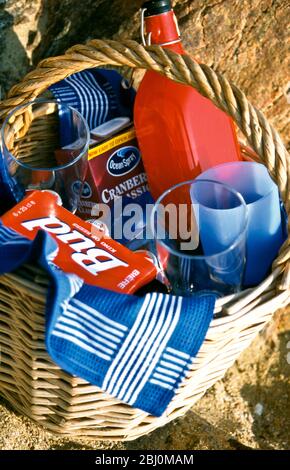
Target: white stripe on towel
[164, 378]
[161, 384]
[171, 366]
[153, 357]
[178, 353]
[82, 345]
[169, 357]
[77, 325]
[162, 370]
[101, 97]
[72, 332]
[99, 328]
[133, 361]
[95, 313]
[133, 337]
[89, 105]
[80, 94]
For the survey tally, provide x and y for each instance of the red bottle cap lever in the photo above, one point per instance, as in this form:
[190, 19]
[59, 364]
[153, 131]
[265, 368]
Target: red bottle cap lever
[146, 41]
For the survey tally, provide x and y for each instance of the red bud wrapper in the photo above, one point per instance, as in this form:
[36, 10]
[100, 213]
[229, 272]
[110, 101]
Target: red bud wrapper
[84, 249]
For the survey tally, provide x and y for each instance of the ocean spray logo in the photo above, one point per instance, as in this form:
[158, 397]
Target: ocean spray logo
[86, 189]
[123, 161]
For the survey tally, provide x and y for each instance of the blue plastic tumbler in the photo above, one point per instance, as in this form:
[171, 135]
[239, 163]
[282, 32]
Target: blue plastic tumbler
[266, 223]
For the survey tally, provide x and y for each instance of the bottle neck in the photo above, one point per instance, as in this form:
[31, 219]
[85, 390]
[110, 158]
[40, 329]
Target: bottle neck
[163, 30]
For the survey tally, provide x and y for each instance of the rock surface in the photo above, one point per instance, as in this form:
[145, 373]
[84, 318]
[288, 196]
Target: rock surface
[245, 40]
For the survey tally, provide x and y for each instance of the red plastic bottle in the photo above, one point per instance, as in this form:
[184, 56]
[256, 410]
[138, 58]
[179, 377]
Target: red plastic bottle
[180, 132]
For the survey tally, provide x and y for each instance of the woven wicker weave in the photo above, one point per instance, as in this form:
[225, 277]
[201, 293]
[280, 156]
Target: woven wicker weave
[29, 380]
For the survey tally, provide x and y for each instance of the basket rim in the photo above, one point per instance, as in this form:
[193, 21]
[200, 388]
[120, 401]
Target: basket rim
[54, 168]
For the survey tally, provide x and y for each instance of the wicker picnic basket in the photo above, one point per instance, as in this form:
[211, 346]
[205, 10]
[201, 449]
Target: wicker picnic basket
[29, 380]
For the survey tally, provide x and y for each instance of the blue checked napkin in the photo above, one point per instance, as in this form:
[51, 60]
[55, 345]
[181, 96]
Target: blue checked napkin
[98, 94]
[137, 349]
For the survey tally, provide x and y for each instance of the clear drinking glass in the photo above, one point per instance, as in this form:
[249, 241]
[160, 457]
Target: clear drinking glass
[45, 146]
[200, 229]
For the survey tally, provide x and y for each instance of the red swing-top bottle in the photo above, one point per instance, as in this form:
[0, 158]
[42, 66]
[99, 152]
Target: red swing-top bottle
[180, 132]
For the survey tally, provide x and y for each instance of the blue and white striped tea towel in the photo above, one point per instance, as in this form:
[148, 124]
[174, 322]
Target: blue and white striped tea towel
[138, 349]
[98, 94]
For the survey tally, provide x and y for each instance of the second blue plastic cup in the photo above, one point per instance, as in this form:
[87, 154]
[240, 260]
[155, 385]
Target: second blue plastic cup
[265, 233]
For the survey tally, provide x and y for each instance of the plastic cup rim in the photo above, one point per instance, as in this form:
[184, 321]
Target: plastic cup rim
[200, 257]
[222, 165]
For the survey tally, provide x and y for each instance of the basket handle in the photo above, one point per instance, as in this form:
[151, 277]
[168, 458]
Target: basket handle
[260, 135]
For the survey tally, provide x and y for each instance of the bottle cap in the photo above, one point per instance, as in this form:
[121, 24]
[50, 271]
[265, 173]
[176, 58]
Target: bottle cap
[156, 7]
